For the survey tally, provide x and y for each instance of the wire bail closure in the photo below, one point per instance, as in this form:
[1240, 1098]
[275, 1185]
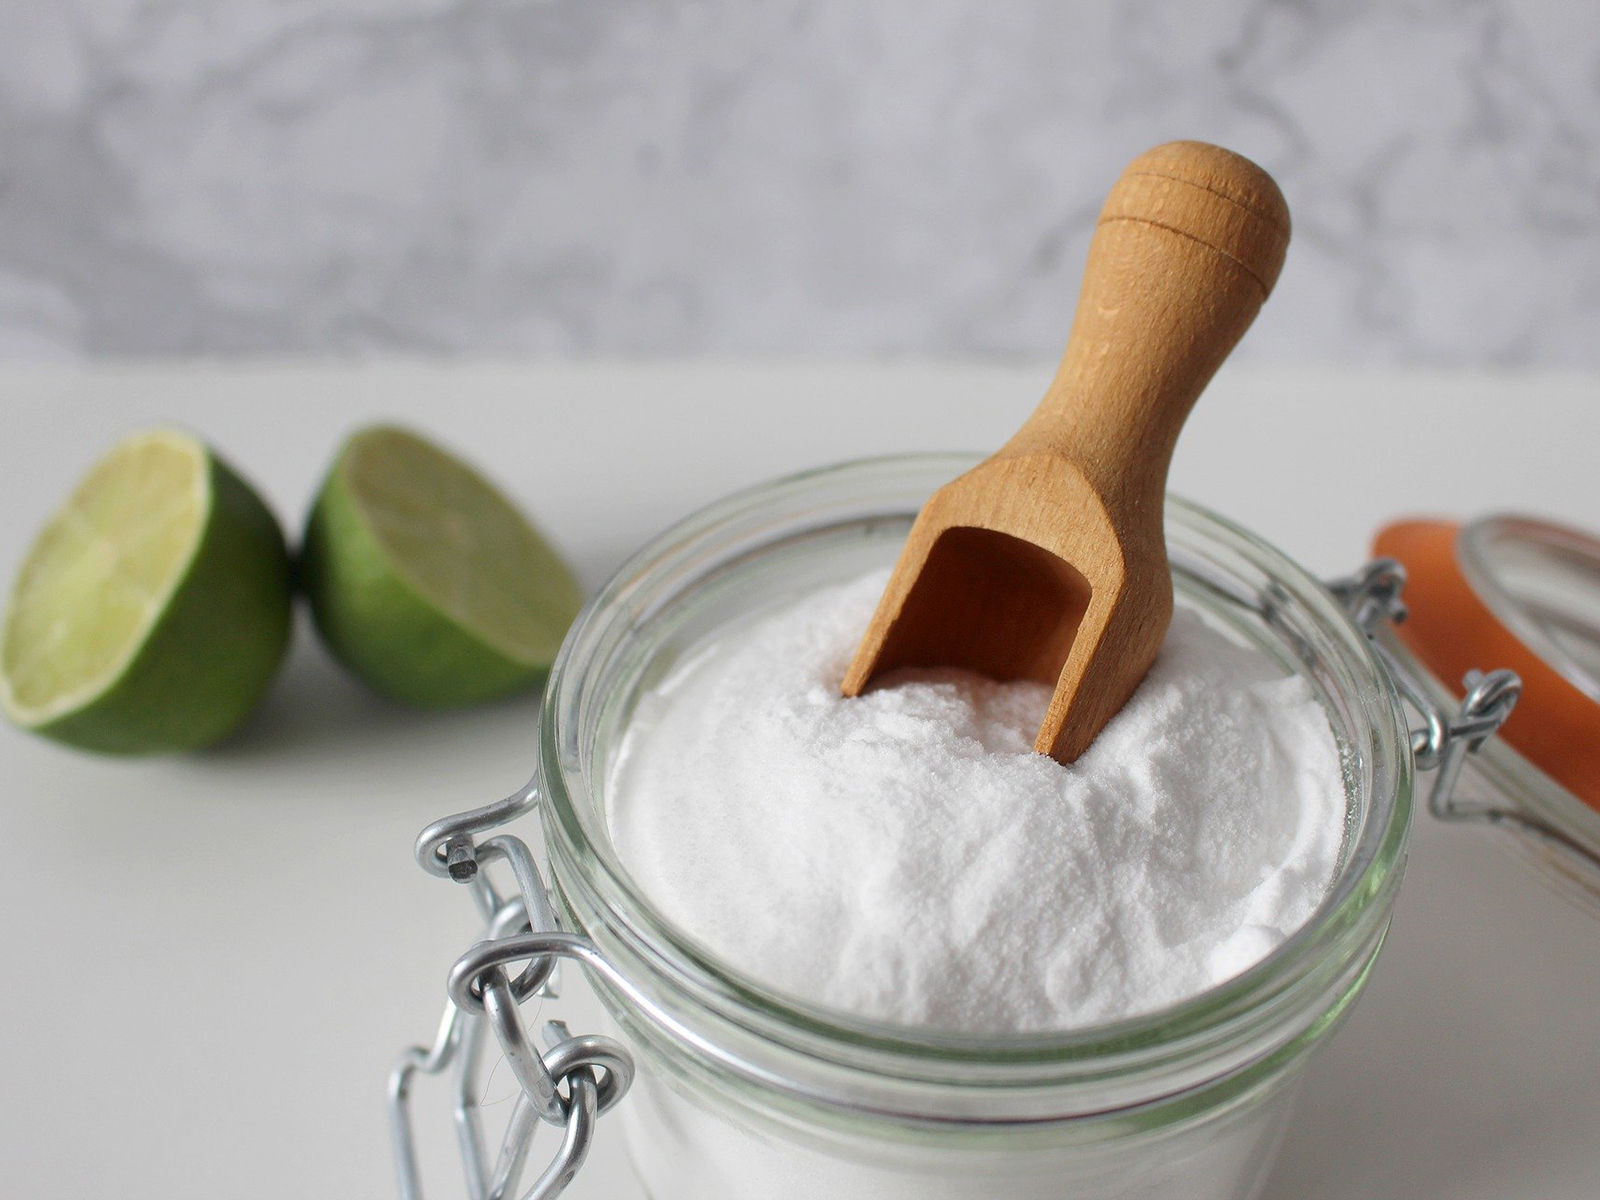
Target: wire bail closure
[1372, 596]
[571, 1083]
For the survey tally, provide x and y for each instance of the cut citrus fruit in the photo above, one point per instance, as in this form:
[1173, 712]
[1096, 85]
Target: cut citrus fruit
[426, 581]
[153, 609]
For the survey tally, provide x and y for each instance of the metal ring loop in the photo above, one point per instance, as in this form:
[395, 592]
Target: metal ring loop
[532, 977]
[536, 901]
[514, 852]
[505, 1020]
[463, 982]
[539, 916]
[542, 1075]
[532, 902]
[1486, 706]
[574, 1055]
[1373, 593]
[431, 852]
[582, 1111]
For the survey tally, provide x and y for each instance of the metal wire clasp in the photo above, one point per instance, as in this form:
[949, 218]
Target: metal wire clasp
[1372, 596]
[571, 1083]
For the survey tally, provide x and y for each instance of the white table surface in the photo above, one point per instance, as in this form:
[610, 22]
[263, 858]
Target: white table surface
[207, 964]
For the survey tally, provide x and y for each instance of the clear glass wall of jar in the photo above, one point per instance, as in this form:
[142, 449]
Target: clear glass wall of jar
[745, 1094]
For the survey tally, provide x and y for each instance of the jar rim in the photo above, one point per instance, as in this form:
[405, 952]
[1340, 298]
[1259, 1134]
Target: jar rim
[1344, 931]
[1479, 541]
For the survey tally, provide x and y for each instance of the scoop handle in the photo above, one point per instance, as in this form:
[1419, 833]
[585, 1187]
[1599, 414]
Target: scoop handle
[1189, 243]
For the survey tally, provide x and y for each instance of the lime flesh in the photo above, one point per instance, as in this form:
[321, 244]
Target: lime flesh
[426, 581]
[152, 610]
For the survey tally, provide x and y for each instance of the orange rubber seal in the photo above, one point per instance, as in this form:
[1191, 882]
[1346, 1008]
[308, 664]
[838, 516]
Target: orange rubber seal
[1451, 631]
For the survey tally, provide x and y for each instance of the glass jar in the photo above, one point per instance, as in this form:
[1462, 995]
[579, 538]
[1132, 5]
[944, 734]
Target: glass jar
[747, 1094]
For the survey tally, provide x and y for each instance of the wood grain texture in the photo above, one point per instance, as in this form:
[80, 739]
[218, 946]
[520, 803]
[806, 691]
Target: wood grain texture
[1048, 560]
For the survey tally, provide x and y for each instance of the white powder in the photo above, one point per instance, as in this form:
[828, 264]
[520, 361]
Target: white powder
[906, 856]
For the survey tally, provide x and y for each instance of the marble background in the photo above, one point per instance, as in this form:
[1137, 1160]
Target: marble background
[506, 177]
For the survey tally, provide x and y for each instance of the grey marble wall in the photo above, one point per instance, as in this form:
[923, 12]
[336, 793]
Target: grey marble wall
[582, 176]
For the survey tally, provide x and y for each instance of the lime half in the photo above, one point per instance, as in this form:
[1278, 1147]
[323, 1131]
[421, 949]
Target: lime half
[152, 610]
[426, 581]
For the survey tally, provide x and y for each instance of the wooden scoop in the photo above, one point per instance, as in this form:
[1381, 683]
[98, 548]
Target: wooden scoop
[1048, 560]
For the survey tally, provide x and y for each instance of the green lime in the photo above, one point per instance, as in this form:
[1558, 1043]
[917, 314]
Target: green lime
[426, 581]
[152, 610]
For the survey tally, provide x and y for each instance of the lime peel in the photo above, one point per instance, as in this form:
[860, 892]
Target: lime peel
[426, 580]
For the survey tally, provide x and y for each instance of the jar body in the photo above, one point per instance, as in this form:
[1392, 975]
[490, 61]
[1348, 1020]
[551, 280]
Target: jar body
[748, 1095]
[684, 1147]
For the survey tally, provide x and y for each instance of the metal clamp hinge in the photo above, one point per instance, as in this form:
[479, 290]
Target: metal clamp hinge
[570, 1083]
[1372, 596]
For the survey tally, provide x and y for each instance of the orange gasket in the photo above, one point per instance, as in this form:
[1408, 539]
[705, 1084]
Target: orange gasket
[1451, 631]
